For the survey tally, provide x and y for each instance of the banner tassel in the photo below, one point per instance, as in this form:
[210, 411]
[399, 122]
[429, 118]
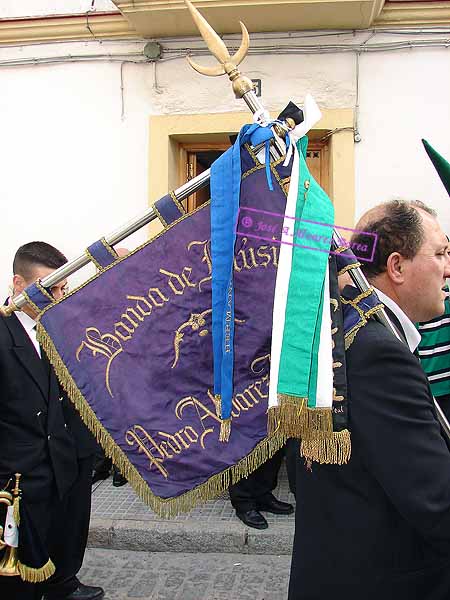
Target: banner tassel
[334, 450]
[225, 424]
[33, 575]
[225, 430]
[314, 427]
[217, 399]
[295, 419]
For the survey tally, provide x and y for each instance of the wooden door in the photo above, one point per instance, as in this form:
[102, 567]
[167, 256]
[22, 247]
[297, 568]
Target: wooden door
[196, 158]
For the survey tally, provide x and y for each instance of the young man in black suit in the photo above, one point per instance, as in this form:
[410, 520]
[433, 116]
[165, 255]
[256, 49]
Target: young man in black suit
[35, 440]
[379, 526]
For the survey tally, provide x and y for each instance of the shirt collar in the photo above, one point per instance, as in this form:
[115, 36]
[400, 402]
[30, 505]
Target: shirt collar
[412, 335]
[27, 322]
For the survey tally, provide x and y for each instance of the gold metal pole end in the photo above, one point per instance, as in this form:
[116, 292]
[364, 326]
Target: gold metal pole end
[16, 490]
[7, 311]
[241, 84]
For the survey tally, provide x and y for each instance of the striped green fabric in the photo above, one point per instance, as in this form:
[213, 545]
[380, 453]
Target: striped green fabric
[434, 351]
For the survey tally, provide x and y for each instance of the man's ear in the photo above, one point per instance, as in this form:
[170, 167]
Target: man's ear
[18, 284]
[395, 267]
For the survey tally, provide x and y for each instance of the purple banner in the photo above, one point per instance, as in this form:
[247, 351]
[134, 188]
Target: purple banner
[136, 343]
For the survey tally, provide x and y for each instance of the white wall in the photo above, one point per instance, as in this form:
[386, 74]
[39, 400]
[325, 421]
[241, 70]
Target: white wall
[405, 96]
[72, 169]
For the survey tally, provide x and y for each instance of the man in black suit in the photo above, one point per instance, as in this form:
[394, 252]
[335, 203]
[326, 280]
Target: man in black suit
[73, 517]
[379, 526]
[35, 439]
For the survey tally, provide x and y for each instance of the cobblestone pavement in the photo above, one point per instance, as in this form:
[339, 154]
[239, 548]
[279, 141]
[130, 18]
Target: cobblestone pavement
[127, 575]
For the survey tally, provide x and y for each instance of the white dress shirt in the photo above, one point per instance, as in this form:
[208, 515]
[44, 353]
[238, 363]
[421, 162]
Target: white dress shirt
[29, 325]
[412, 335]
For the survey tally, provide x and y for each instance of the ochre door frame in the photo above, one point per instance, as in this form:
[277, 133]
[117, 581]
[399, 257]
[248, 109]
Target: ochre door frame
[168, 131]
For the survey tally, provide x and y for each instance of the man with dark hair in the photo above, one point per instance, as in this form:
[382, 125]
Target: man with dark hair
[379, 526]
[42, 437]
[36, 254]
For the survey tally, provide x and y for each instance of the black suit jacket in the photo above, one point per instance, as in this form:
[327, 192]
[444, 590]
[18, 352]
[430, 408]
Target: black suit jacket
[34, 439]
[85, 443]
[378, 527]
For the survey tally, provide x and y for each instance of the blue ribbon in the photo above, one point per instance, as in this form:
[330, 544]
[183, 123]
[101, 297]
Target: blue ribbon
[225, 194]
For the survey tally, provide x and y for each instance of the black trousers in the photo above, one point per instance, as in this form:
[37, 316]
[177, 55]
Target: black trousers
[101, 462]
[292, 450]
[246, 493]
[69, 533]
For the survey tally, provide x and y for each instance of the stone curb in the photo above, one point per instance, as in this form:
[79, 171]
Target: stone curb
[189, 536]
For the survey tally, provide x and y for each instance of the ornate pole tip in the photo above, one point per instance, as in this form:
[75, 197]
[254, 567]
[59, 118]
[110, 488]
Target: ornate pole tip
[7, 311]
[228, 64]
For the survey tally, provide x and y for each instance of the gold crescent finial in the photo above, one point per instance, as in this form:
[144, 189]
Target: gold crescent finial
[228, 64]
[212, 40]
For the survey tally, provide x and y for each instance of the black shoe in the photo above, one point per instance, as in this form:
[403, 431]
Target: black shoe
[275, 506]
[99, 476]
[253, 518]
[85, 592]
[118, 479]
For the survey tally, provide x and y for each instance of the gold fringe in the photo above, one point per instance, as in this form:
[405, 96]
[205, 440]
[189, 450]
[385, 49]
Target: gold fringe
[109, 248]
[341, 249]
[225, 424]
[225, 430]
[170, 507]
[33, 575]
[178, 203]
[43, 291]
[314, 426]
[364, 316]
[217, 399]
[334, 450]
[295, 419]
[93, 260]
[16, 510]
[160, 217]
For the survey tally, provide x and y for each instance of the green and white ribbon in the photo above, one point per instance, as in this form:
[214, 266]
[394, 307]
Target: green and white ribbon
[301, 335]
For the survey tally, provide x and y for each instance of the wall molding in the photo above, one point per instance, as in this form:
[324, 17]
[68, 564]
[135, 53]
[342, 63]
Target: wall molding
[410, 14]
[159, 18]
[168, 17]
[57, 29]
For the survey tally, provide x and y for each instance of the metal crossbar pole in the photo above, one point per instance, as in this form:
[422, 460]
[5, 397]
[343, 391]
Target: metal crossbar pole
[117, 236]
